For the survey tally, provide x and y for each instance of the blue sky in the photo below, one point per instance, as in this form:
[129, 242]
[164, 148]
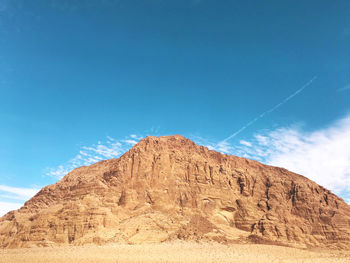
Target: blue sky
[82, 81]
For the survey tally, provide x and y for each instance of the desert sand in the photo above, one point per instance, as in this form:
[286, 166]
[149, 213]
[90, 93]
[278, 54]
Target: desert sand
[171, 252]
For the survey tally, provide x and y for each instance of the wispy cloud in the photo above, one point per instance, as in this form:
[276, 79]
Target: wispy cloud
[269, 111]
[346, 87]
[12, 198]
[108, 149]
[134, 136]
[322, 155]
[245, 143]
[17, 193]
[8, 206]
[132, 142]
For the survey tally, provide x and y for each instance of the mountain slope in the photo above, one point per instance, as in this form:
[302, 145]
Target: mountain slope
[168, 188]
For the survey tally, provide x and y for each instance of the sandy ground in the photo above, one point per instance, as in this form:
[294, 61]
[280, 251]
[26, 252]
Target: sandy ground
[171, 252]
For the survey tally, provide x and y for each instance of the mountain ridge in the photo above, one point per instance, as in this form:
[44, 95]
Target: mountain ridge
[167, 188]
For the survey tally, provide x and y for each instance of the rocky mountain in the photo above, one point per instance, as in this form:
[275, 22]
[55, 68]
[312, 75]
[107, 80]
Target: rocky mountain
[168, 188]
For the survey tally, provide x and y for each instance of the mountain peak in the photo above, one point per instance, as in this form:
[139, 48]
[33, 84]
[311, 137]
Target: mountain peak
[166, 137]
[164, 144]
[169, 139]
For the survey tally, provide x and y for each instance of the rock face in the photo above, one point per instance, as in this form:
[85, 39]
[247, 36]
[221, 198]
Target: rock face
[168, 188]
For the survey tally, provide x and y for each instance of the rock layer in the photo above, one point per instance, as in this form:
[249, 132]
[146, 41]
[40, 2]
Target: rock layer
[168, 188]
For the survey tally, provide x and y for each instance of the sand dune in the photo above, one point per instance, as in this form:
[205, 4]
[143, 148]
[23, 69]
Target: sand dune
[171, 252]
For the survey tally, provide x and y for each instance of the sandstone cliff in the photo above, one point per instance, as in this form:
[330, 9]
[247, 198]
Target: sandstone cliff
[168, 188]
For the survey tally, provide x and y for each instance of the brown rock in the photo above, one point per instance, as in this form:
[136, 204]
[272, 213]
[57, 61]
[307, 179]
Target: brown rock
[168, 188]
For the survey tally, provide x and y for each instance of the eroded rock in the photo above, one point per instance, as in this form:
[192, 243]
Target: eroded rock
[170, 188]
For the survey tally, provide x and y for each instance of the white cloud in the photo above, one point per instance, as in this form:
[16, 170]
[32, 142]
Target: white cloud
[243, 142]
[111, 148]
[110, 138]
[17, 193]
[61, 170]
[5, 207]
[132, 142]
[14, 193]
[261, 139]
[224, 147]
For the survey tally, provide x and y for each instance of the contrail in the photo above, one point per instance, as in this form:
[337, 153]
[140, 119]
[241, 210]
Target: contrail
[270, 110]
